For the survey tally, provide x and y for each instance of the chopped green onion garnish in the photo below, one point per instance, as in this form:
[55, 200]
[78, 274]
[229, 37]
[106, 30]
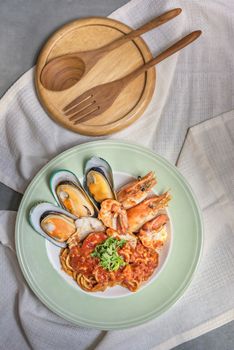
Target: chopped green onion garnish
[108, 255]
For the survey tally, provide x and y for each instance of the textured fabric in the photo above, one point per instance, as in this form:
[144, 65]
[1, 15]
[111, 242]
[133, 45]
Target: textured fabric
[192, 86]
[207, 304]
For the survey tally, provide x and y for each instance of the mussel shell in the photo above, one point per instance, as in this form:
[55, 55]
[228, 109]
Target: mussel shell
[103, 166]
[67, 178]
[99, 166]
[39, 211]
[82, 207]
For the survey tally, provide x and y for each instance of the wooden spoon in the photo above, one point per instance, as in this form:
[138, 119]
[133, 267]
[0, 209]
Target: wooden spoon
[65, 71]
[99, 98]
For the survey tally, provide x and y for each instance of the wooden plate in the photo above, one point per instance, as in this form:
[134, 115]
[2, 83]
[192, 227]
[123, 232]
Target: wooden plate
[87, 34]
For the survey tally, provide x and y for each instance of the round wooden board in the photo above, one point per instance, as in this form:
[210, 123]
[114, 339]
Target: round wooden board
[88, 34]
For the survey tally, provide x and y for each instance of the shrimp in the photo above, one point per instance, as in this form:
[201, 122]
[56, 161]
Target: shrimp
[146, 211]
[127, 236]
[136, 191]
[113, 215]
[153, 233]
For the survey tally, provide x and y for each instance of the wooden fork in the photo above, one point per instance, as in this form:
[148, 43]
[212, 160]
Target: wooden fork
[99, 98]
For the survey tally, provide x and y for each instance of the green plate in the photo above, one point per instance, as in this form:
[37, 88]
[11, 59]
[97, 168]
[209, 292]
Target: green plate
[131, 310]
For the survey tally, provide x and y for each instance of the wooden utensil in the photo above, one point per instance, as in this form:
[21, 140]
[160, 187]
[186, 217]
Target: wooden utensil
[98, 99]
[65, 71]
[90, 34]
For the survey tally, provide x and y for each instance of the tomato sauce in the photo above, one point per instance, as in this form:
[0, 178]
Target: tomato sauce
[140, 263]
[80, 258]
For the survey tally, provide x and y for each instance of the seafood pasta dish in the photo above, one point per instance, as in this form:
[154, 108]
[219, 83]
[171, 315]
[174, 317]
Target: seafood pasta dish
[107, 237]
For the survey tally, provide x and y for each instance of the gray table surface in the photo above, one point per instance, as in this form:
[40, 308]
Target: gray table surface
[24, 27]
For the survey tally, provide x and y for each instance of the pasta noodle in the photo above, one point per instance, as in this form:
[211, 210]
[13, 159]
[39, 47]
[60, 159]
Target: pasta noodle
[139, 264]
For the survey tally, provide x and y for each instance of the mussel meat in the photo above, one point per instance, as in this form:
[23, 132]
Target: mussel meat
[57, 225]
[53, 223]
[69, 193]
[99, 181]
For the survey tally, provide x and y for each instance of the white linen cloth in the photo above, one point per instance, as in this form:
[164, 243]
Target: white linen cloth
[192, 86]
[207, 304]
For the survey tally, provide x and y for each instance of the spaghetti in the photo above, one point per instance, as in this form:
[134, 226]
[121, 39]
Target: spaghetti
[79, 262]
